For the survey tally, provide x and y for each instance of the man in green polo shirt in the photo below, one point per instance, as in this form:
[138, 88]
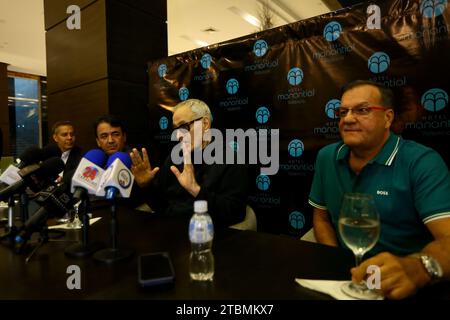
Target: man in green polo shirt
[409, 182]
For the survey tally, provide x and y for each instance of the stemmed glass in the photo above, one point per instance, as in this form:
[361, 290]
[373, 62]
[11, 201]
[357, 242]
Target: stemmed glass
[359, 227]
[74, 221]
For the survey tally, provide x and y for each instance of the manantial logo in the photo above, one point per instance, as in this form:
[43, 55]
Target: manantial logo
[331, 107]
[296, 148]
[262, 115]
[263, 182]
[206, 61]
[183, 93]
[379, 62]
[163, 123]
[232, 86]
[260, 48]
[434, 99]
[432, 8]
[162, 70]
[234, 145]
[297, 220]
[295, 76]
[332, 31]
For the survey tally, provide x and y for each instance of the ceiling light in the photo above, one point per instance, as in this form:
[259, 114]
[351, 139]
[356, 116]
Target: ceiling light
[246, 16]
[201, 43]
[210, 30]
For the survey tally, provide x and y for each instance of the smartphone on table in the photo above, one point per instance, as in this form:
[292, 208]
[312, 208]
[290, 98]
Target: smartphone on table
[155, 269]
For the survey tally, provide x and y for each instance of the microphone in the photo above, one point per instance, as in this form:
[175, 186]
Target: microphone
[54, 201]
[34, 224]
[51, 150]
[86, 178]
[35, 176]
[117, 178]
[29, 156]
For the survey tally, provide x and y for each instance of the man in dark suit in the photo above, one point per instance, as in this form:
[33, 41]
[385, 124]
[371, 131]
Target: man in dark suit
[64, 137]
[111, 137]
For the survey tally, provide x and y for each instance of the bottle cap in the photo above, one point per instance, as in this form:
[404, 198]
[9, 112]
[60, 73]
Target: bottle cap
[200, 206]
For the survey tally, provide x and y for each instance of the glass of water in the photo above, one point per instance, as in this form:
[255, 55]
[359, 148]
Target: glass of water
[359, 228]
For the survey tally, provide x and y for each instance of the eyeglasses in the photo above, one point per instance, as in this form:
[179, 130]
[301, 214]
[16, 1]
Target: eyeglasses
[362, 110]
[187, 125]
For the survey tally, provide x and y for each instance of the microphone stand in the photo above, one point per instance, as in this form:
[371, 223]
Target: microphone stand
[113, 254]
[23, 203]
[42, 240]
[80, 250]
[10, 229]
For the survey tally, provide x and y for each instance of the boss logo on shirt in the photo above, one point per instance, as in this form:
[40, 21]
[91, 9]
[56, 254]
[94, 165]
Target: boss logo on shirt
[382, 193]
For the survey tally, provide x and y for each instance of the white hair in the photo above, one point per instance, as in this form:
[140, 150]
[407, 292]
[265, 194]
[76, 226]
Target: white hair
[198, 108]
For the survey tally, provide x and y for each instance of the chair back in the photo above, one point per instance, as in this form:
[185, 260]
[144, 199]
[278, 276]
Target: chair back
[309, 236]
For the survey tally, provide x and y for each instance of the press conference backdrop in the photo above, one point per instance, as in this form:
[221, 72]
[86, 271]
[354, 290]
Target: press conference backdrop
[289, 78]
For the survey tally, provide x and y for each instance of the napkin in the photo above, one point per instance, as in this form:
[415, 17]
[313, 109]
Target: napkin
[330, 287]
[64, 225]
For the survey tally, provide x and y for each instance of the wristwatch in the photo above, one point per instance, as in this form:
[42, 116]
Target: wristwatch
[431, 265]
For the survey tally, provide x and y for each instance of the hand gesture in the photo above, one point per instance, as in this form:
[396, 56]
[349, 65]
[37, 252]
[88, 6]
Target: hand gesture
[141, 168]
[187, 177]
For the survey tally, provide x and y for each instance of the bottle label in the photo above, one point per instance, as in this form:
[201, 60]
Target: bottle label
[200, 231]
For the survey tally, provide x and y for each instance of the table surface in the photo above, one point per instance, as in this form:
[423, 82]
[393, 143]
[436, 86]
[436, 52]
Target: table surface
[248, 265]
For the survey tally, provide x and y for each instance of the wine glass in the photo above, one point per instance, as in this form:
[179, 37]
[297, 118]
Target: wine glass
[359, 227]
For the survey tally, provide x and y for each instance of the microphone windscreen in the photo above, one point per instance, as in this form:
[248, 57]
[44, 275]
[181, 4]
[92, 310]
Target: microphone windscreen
[30, 156]
[49, 151]
[52, 167]
[97, 157]
[123, 156]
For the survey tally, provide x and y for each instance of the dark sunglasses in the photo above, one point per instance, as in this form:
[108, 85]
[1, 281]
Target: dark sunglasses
[187, 125]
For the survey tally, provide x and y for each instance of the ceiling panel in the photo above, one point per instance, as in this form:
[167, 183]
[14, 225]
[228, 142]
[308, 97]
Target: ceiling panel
[22, 31]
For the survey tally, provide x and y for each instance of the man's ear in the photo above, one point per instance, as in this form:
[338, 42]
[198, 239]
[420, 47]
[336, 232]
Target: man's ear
[124, 137]
[389, 115]
[54, 137]
[206, 123]
[98, 142]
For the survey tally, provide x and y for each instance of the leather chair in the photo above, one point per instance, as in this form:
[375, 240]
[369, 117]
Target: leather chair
[249, 223]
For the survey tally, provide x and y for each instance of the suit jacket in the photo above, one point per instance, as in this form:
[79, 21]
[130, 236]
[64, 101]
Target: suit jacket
[74, 159]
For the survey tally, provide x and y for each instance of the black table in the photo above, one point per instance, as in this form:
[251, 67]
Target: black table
[248, 265]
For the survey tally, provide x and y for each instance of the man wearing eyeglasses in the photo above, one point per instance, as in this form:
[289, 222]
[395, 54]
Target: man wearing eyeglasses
[409, 182]
[173, 189]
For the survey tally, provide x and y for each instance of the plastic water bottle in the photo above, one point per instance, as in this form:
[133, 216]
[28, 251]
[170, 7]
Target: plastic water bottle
[201, 234]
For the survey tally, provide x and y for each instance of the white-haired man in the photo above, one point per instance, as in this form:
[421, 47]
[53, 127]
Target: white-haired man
[173, 188]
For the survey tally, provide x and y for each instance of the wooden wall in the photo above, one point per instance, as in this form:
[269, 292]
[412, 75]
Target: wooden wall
[101, 68]
[4, 114]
